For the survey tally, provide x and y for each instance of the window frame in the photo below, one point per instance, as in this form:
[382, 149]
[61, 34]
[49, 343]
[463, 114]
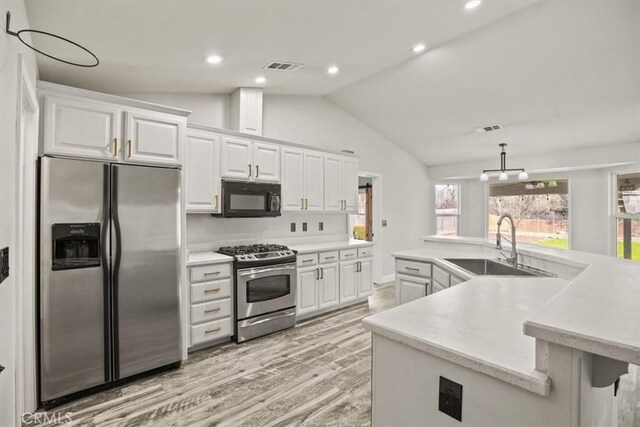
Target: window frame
[614, 216]
[459, 207]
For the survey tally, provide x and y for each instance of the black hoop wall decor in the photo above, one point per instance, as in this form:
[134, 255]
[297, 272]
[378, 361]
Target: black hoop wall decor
[19, 33]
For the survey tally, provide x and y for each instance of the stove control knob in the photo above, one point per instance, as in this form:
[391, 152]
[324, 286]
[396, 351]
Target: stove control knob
[242, 257]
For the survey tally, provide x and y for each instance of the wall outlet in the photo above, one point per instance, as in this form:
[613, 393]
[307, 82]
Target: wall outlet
[384, 222]
[4, 264]
[293, 227]
[450, 400]
[321, 226]
[304, 226]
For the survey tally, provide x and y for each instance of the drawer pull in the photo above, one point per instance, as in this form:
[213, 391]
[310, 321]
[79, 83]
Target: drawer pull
[412, 269]
[211, 331]
[348, 255]
[206, 291]
[330, 257]
[213, 310]
[308, 260]
[212, 273]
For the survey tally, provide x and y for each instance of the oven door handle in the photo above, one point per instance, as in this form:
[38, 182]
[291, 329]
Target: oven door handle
[253, 271]
[278, 316]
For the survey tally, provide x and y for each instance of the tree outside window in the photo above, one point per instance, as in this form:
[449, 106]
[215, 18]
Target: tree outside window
[447, 210]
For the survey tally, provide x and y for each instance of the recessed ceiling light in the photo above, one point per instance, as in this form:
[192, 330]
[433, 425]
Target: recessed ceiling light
[333, 70]
[260, 80]
[472, 4]
[418, 48]
[215, 59]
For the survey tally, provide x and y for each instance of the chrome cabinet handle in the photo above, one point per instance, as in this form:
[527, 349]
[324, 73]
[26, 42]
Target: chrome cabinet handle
[207, 291]
[307, 260]
[249, 170]
[302, 204]
[212, 273]
[348, 255]
[412, 269]
[317, 274]
[210, 331]
[322, 273]
[213, 310]
[330, 257]
[115, 150]
[306, 204]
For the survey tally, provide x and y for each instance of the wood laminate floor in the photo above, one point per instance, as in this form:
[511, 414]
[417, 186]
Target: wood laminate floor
[317, 373]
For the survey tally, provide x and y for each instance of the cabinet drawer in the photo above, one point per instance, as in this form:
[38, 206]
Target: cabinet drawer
[210, 331]
[210, 272]
[328, 257]
[210, 290]
[348, 254]
[441, 276]
[414, 268]
[365, 252]
[210, 310]
[307, 260]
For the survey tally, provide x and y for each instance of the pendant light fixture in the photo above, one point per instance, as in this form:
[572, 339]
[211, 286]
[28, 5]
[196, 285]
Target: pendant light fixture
[503, 168]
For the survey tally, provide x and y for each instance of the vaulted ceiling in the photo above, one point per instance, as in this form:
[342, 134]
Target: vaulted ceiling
[553, 73]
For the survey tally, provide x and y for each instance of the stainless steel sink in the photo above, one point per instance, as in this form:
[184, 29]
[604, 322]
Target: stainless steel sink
[489, 267]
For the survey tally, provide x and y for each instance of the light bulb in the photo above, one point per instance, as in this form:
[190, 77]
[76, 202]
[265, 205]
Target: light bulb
[552, 184]
[503, 176]
[484, 177]
[523, 175]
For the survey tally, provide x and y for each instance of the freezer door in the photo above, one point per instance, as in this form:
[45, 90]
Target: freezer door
[146, 268]
[74, 268]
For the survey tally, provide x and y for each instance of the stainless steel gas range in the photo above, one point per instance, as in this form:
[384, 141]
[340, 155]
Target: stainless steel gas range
[265, 289]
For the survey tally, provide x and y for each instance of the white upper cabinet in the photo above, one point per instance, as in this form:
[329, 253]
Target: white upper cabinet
[82, 128]
[340, 184]
[350, 184]
[333, 187]
[246, 110]
[266, 159]
[237, 158]
[314, 181]
[292, 179]
[245, 160]
[153, 137]
[203, 172]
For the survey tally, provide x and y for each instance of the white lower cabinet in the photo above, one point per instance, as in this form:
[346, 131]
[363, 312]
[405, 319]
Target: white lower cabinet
[211, 298]
[329, 286]
[411, 288]
[307, 290]
[332, 279]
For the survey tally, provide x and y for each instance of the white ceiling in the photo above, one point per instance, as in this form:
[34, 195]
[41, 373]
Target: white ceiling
[159, 46]
[558, 75]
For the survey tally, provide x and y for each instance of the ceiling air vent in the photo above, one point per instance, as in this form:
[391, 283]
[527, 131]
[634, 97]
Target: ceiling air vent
[282, 66]
[489, 128]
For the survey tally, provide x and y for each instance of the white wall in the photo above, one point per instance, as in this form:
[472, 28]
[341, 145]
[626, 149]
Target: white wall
[10, 48]
[316, 121]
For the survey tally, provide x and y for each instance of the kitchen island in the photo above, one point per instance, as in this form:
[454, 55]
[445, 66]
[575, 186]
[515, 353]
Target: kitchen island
[526, 350]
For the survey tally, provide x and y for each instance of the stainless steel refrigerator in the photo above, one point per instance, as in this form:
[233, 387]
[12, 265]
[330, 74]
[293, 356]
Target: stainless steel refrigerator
[109, 273]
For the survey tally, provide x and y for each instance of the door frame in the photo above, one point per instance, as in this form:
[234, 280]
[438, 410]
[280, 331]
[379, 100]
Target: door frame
[376, 184]
[27, 123]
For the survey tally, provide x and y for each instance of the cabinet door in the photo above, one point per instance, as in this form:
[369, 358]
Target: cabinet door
[307, 291]
[328, 289]
[79, 128]
[333, 184]
[348, 283]
[203, 173]
[350, 183]
[314, 181]
[410, 288]
[292, 179]
[236, 158]
[267, 162]
[365, 279]
[154, 137]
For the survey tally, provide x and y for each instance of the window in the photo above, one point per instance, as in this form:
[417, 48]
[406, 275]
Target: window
[361, 224]
[447, 210]
[540, 210]
[628, 216]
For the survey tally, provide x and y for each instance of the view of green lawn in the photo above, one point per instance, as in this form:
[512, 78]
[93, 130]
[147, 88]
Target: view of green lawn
[563, 243]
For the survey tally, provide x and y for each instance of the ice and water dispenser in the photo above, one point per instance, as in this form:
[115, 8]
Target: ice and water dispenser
[75, 245]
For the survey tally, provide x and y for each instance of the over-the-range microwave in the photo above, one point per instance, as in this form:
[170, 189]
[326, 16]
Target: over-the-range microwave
[250, 199]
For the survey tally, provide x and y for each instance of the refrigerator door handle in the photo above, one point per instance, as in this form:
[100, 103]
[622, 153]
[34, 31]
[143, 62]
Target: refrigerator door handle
[105, 248]
[116, 233]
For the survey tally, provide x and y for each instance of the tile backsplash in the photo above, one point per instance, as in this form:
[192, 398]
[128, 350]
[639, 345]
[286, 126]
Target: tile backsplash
[206, 232]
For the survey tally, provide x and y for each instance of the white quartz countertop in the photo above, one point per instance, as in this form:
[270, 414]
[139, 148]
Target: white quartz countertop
[199, 258]
[328, 246]
[489, 323]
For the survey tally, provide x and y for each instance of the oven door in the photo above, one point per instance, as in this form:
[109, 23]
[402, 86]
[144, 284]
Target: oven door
[265, 289]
